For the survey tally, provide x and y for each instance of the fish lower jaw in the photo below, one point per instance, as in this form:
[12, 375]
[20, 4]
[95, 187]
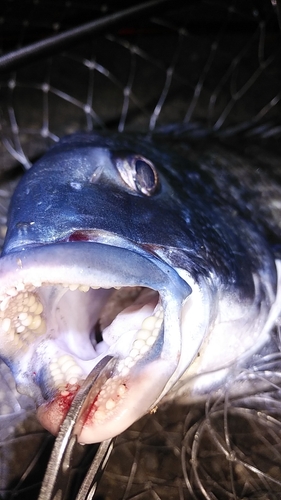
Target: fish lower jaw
[119, 403]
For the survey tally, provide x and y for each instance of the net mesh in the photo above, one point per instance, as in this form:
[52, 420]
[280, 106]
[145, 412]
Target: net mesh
[200, 68]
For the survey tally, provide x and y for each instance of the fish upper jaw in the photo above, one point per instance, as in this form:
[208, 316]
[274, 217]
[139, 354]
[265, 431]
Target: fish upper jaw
[46, 331]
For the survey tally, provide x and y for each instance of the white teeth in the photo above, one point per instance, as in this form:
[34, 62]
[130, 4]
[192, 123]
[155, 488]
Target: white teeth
[110, 404]
[29, 300]
[54, 369]
[75, 370]
[144, 334]
[66, 366]
[73, 380]
[20, 329]
[27, 321]
[6, 324]
[148, 323]
[121, 390]
[125, 371]
[33, 307]
[144, 349]
[139, 342]
[128, 361]
[73, 287]
[150, 341]
[37, 284]
[20, 318]
[64, 370]
[39, 308]
[36, 322]
[134, 352]
[99, 415]
[145, 338]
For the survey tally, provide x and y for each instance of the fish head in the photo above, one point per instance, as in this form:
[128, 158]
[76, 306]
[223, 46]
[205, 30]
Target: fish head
[80, 280]
[108, 252]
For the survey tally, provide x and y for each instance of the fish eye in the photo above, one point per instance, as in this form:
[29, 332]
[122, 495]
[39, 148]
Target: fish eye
[146, 178]
[139, 173]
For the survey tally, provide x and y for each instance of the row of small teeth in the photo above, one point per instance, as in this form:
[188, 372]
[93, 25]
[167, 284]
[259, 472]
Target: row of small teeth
[21, 318]
[112, 391]
[86, 288]
[20, 287]
[64, 370]
[144, 340]
[114, 388]
[21, 312]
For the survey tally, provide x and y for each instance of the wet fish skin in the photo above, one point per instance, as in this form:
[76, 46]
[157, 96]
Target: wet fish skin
[79, 213]
[188, 203]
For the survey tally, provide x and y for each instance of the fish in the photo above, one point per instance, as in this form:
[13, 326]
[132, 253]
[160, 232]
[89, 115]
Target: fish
[129, 245]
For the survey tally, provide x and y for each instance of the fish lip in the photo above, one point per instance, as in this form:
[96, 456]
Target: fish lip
[89, 263]
[30, 264]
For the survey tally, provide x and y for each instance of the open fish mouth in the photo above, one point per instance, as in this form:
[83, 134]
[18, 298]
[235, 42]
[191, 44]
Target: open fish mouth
[65, 306]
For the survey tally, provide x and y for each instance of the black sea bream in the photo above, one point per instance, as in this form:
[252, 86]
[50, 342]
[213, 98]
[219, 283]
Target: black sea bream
[117, 244]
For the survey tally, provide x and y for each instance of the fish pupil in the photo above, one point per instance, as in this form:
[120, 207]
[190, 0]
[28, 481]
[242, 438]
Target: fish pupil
[145, 177]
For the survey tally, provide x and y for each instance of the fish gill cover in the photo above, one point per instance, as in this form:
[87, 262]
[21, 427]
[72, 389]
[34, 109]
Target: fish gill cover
[204, 76]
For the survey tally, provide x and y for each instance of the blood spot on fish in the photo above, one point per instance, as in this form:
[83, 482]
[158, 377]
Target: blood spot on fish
[79, 236]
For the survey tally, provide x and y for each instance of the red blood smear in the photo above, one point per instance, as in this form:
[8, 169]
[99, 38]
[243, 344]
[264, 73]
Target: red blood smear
[52, 414]
[79, 236]
[64, 402]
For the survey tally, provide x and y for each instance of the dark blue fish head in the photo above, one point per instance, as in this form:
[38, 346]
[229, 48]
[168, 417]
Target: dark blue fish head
[116, 245]
[93, 183]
